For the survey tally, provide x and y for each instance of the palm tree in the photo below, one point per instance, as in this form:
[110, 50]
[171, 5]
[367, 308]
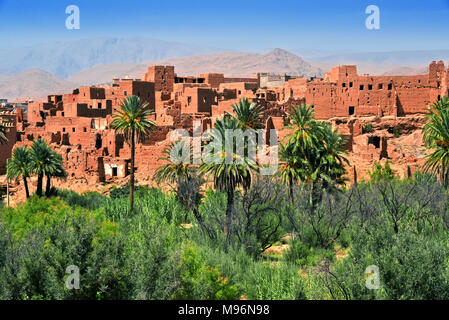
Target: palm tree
[436, 137]
[177, 165]
[133, 120]
[314, 152]
[248, 116]
[43, 162]
[178, 170]
[229, 171]
[59, 172]
[307, 131]
[288, 168]
[332, 157]
[19, 166]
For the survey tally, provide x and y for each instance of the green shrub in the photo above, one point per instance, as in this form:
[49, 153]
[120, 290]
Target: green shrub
[124, 191]
[200, 281]
[90, 200]
[256, 222]
[411, 266]
[301, 254]
[257, 278]
[367, 128]
[41, 238]
[382, 173]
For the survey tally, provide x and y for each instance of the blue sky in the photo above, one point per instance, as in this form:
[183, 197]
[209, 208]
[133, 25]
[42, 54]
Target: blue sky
[250, 25]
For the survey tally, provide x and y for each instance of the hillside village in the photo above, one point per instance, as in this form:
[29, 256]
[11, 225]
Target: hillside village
[380, 116]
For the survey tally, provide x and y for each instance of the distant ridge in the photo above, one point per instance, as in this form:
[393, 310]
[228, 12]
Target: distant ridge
[231, 64]
[33, 83]
[66, 58]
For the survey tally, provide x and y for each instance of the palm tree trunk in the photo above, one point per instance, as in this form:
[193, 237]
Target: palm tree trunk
[131, 184]
[48, 186]
[25, 183]
[39, 185]
[229, 207]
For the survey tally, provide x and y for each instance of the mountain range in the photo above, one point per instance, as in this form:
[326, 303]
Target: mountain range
[39, 83]
[57, 67]
[231, 64]
[66, 58]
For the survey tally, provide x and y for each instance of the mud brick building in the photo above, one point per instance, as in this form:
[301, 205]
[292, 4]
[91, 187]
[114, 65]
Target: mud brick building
[77, 124]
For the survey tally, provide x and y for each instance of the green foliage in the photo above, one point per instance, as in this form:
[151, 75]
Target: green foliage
[248, 116]
[313, 153]
[150, 202]
[396, 132]
[42, 214]
[90, 200]
[45, 163]
[436, 137]
[227, 176]
[229, 170]
[123, 192]
[301, 254]
[411, 266]
[256, 278]
[200, 281]
[133, 118]
[41, 238]
[400, 226]
[19, 165]
[367, 128]
[379, 173]
[256, 222]
[178, 157]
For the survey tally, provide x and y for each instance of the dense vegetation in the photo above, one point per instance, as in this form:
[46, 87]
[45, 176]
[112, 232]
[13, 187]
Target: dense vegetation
[300, 234]
[401, 226]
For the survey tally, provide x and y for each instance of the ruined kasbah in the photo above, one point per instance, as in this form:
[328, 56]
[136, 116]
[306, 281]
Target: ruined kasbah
[380, 116]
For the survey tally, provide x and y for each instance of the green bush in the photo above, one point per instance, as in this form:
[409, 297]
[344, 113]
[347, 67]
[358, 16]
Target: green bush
[256, 218]
[367, 128]
[90, 200]
[401, 226]
[380, 173]
[124, 191]
[411, 266]
[41, 238]
[257, 278]
[200, 281]
[301, 254]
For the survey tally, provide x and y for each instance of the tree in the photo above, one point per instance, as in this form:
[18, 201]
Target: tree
[379, 173]
[332, 157]
[59, 172]
[228, 169]
[178, 163]
[248, 116]
[43, 162]
[179, 171]
[436, 137]
[313, 153]
[306, 130]
[19, 166]
[133, 120]
[288, 168]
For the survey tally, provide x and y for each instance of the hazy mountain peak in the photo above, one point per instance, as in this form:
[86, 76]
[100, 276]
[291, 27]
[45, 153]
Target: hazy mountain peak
[66, 58]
